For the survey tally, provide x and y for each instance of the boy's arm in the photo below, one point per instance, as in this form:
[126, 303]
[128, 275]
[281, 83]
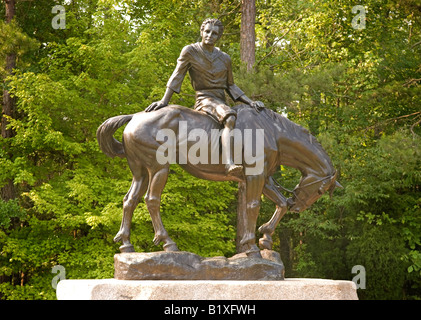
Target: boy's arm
[175, 81]
[237, 94]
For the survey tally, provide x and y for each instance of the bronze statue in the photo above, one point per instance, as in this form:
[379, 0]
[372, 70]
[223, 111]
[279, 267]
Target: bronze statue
[154, 140]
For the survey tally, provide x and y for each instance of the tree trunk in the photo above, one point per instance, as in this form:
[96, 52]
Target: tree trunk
[248, 34]
[8, 106]
[8, 103]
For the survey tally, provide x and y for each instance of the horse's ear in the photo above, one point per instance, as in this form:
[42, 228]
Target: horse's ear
[333, 187]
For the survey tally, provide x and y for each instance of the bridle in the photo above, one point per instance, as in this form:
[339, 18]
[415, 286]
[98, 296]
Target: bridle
[299, 200]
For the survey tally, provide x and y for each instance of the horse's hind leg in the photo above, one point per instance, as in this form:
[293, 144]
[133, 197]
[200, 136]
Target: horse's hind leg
[130, 201]
[268, 228]
[157, 181]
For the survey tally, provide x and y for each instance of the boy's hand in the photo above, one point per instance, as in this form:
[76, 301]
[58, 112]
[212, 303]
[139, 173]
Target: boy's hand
[257, 105]
[156, 106]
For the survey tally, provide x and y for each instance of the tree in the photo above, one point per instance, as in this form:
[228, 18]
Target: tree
[248, 35]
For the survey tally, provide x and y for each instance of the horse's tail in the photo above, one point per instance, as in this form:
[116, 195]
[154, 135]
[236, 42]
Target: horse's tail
[107, 143]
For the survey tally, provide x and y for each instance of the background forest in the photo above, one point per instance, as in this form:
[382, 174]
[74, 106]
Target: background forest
[355, 86]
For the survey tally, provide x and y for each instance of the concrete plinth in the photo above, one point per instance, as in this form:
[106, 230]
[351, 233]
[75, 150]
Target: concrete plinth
[288, 289]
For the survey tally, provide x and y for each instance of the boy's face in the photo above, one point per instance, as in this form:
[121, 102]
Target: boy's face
[210, 34]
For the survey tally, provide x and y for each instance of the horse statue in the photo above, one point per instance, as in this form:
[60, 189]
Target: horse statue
[284, 143]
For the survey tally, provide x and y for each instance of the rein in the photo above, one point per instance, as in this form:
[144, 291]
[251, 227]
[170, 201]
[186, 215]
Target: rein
[296, 198]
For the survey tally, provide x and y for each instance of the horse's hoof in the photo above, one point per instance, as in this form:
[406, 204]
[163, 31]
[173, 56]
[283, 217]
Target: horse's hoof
[170, 247]
[127, 248]
[265, 244]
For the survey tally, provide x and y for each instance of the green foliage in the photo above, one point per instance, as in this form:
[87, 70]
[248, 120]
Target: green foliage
[358, 92]
[10, 211]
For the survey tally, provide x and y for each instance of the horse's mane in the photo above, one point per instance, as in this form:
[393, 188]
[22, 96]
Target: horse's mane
[280, 122]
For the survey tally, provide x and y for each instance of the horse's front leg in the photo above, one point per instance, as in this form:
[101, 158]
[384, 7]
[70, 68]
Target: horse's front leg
[268, 228]
[157, 181]
[254, 186]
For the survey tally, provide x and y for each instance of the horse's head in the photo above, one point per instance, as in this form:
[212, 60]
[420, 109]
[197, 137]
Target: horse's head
[309, 190]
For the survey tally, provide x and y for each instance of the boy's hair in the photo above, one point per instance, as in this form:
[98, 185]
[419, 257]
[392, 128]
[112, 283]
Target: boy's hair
[214, 22]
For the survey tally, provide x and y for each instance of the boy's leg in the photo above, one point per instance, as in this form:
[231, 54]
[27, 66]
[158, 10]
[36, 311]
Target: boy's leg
[230, 167]
[226, 116]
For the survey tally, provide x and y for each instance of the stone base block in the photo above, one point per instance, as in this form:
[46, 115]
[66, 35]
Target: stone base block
[288, 289]
[182, 265]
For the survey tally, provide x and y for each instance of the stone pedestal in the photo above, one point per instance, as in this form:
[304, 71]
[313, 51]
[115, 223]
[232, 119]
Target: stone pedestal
[288, 289]
[182, 265]
[187, 276]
